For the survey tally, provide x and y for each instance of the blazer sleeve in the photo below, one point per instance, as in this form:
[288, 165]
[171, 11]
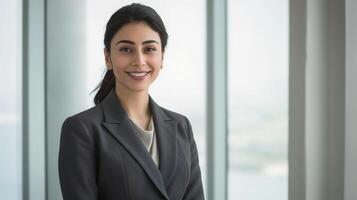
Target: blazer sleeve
[76, 162]
[194, 189]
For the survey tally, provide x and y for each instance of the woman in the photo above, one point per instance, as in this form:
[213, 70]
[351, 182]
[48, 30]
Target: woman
[128, 147]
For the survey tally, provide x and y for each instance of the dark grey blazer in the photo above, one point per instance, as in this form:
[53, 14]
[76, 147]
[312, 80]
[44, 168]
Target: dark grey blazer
[101, 156]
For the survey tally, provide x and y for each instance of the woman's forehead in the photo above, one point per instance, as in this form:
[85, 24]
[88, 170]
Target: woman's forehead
[136, 32]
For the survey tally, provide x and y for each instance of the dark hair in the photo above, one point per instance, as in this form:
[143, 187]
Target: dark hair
[131, 13]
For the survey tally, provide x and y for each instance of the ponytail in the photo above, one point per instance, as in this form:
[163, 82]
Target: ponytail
[107, 84]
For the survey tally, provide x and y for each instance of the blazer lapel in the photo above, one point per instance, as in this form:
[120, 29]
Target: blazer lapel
[118, 124]
[165, 132]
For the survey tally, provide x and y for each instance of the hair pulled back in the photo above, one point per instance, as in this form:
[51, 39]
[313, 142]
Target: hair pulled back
[131, 13]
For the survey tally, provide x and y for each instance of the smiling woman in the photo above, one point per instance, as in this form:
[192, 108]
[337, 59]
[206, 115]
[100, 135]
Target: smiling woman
[136, 57]
[126, 146]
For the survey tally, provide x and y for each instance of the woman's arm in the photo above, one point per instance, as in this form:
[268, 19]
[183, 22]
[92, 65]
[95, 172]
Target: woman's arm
[194, 189]
[76, 163]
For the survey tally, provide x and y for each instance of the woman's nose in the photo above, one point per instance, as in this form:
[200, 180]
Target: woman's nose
[139, 59]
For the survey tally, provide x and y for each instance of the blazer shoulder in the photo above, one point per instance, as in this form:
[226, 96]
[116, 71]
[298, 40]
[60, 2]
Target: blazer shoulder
[91, 115]
[174, 115]
[181, 119]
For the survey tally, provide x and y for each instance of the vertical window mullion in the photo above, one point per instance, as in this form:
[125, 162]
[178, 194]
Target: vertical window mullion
[34, 150]
[216, 99]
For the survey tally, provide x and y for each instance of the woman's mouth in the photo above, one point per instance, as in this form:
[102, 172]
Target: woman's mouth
[138, 75]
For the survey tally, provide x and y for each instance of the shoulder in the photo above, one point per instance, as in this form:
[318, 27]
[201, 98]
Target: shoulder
[181, 119]
[92, 115]
[174, 115]
[83, 127]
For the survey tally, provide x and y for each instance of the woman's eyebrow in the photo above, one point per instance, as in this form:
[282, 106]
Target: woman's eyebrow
[125, 41]
[133, 43]
[150, 41]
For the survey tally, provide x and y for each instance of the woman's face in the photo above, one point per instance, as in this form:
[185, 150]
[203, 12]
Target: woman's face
[135, 57]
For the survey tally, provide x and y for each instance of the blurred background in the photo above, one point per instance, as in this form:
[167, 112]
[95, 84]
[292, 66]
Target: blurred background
[51, 59]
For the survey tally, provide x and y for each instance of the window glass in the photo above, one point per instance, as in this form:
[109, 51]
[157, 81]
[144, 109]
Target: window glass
[10, 101]
[258, 99]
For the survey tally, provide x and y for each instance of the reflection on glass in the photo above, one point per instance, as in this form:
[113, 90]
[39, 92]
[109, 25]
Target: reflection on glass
[258, 99]
[10, 102]
[181, 84]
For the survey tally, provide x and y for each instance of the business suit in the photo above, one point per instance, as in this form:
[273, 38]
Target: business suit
[102, 157]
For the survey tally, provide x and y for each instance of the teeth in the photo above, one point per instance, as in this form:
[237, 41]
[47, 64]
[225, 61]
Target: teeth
[137, 73]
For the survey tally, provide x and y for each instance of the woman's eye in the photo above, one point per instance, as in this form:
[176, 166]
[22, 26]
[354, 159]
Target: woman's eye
[150, 49]
[125, 49]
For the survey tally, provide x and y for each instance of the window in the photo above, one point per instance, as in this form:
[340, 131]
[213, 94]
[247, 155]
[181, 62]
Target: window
[258, 99]
[10, 101]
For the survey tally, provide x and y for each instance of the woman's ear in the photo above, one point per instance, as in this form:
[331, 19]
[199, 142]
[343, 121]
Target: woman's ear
[107, 59]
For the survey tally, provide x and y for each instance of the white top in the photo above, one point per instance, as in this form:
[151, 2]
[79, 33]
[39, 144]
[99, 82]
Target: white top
[149, 139]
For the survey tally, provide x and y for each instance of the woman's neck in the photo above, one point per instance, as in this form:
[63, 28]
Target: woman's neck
[136, 104]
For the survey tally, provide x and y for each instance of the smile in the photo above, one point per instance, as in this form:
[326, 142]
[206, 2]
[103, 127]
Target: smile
[138, 75]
